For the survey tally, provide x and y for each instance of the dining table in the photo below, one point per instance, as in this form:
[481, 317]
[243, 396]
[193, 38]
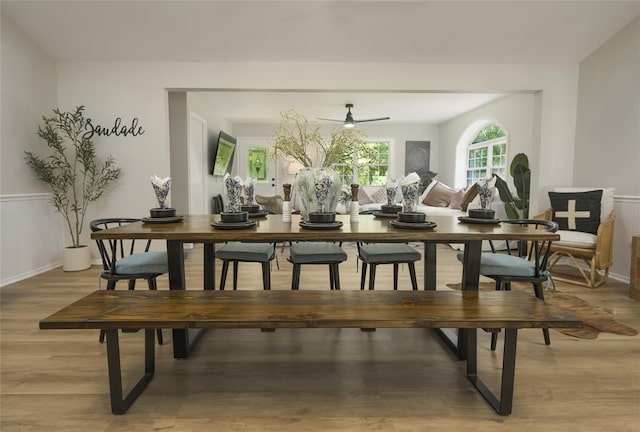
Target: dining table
[272, 228]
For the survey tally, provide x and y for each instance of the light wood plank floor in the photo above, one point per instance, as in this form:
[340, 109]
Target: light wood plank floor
[309, 379]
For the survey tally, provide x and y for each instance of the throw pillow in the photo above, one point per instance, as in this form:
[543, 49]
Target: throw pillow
[271, 204]
[579, 211]
[424, 193]
[456, 200]
[363, 197]
[439, 196]
[469, 195]
[380, 196]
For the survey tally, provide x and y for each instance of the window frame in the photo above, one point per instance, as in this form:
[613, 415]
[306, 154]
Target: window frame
[356, 166]
[489, 168]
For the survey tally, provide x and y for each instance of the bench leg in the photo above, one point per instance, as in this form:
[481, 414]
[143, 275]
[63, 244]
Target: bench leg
[504, 404]
[120, 405]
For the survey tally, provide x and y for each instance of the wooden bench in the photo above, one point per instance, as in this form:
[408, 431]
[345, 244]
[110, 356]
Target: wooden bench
[150, 310]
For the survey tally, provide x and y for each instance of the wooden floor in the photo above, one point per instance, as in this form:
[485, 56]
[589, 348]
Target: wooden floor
[309, 379]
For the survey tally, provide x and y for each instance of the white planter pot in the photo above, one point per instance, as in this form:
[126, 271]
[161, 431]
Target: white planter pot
[76, 259]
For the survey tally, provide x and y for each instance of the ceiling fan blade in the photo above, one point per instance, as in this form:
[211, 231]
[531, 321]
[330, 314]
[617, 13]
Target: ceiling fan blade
[373, 119]
[334, 120]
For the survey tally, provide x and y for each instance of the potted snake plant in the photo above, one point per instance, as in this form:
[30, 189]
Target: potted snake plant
[73, 173]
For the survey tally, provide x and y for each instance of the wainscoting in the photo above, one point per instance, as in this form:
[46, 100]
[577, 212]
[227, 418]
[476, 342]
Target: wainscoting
[31, 234]
[627, 210]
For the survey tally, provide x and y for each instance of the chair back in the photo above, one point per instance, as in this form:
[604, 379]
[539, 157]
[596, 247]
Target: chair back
[536, 251]
[112, 250]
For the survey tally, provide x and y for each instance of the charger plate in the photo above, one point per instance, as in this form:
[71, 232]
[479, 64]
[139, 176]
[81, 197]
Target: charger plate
[320, 226]
[162, 220]
[413, 225]
[233, 225]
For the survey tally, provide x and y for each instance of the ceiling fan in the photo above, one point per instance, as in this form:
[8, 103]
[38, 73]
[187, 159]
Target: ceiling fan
[349, 122]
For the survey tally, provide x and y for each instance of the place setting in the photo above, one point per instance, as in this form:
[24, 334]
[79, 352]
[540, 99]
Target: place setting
[321, 219]
[389, 210]
[254, 210]
[484, 215]
[234, 218]
[162, 214]
[410, 218]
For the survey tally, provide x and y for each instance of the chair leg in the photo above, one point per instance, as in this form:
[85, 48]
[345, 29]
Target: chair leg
[132, 284]
[332, 278]
[336, 276]
[223, 274]
[395, 276]
[412, 275]
[235, 275]
[494, 340]
[372, 276]
[363, 275]
[295, 277]
[266, 275]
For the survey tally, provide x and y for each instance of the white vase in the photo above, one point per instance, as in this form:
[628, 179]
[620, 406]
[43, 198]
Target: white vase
[76, 259]
[303, 197]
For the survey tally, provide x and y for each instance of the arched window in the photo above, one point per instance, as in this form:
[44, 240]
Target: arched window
[487, 154]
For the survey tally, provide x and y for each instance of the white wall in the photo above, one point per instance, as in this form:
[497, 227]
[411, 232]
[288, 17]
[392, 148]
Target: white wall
[608, 134]
[31, 233]
[608, 116]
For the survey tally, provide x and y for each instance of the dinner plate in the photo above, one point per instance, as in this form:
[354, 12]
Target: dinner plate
[321, 226]
[162, 220]
[257, 215]
[233, 225]
[470, 220]
[380, 214]
[413, 225]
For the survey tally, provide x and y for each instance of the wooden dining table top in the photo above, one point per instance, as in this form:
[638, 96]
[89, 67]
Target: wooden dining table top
[199, 228]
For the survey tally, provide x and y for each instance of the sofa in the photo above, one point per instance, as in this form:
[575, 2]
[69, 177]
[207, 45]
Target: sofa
[437, 199]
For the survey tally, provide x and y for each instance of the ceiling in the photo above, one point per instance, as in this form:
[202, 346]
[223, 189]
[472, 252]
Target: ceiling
[408, 107]
[455, 32]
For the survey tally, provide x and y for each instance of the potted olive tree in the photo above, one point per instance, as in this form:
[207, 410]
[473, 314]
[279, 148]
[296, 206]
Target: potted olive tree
[74, 175]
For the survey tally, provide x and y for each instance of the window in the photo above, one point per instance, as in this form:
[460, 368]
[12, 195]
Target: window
[369, 166]
[487, 154]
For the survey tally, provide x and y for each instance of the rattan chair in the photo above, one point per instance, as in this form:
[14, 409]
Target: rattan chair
[590, 256]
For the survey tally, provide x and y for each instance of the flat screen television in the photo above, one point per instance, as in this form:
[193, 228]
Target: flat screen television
[223, 154]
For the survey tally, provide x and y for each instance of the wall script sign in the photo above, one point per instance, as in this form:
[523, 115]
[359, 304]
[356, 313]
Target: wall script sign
[118, 129]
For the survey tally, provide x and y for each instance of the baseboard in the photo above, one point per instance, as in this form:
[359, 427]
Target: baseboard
[31, 273]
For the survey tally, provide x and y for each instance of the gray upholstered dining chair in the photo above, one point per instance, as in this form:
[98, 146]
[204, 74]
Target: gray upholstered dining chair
[373, 254]
[236, 252]
[523, 261]
[326, 253]
[127, 260]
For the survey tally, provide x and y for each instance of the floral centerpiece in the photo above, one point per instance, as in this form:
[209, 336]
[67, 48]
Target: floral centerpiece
[298, 139]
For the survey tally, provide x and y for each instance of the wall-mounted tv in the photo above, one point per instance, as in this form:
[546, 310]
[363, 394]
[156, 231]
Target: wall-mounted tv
[223, 154]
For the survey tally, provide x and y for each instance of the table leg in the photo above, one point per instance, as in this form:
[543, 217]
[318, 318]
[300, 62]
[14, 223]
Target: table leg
[209, 266]
[429, 266]
[457, 340]
[175, 256]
